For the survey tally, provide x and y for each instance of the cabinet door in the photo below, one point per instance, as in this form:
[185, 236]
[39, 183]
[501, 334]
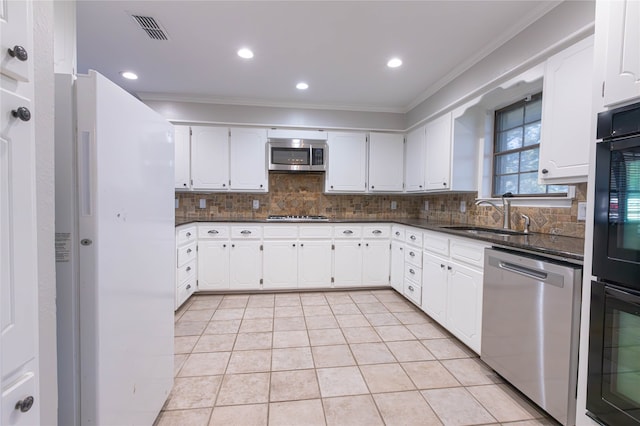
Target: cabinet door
[347, 162]
[280, 264]
[249, 159]
[245, 265]
[209, 157]
[434, 287]
[182, 159]
[438, 153]
[566, 115]
[464, 305]
[376, 263]
[386, 162]
[397, 266]
[213, 265]
[347, 263]
[414, 161]
[314, 264]
[622, 73]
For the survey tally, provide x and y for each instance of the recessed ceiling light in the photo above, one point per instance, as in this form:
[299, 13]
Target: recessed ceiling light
[129, 75]
[394, 62]
[302, 86]
[245, 53]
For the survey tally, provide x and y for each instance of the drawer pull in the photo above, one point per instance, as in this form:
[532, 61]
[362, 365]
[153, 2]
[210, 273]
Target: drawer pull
[412, 254]
[188, 268]
[347, 232]
[397, 233]
[411, 288]
[188, 286]
[245, 232]
[377, 232]
[411, 271]
[442, 266]
[189, 251]
[224, 246]
[449, 268]
[413, 237]
[18, 52]
[188, 234]
[213, 231]
[25, 405]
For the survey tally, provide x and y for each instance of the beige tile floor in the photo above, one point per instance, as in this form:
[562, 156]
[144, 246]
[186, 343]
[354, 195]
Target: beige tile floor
[329, 358]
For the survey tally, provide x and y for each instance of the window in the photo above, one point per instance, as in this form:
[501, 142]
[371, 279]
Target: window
[517, 149]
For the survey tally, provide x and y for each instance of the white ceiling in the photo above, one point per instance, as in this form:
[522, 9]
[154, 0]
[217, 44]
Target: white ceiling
[339, 47]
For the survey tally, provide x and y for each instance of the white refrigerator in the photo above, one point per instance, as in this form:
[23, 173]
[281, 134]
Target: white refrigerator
[115, 254]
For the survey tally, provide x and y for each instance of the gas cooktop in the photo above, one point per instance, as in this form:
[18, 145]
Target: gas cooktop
[278, 218]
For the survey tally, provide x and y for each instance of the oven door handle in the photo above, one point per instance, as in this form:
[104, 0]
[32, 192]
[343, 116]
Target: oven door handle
[622, 295]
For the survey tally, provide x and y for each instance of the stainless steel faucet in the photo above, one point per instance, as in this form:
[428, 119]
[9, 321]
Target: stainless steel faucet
[527, 222]
[505, 211]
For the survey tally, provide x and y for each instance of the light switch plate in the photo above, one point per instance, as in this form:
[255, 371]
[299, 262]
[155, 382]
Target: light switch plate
[582, 211]
[463, 207]
[256, 204]
[426, 205]
[394, 205]
[177, 203]
[203, 203]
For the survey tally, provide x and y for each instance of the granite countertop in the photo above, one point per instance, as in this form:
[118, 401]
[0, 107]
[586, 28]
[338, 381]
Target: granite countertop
[560, 247]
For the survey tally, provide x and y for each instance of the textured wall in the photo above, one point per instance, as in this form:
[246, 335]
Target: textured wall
[301, 194]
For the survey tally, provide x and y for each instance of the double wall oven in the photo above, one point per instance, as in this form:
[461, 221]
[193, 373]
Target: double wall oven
[613, 387]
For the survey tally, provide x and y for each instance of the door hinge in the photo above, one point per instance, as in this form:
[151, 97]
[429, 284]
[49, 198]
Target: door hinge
[603, 89]
[333, 280]
[229, 183]
[389, 245]
[196, 248]
[191, 182]
[261, 281]
[229, 132]
[261, 247]
[333, 246]
[190, 131]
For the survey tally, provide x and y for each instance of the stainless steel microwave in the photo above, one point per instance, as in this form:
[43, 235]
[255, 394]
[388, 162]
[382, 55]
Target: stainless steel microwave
[297, 155]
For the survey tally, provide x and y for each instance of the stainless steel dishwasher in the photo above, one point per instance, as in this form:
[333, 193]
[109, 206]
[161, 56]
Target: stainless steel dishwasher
[530, 327]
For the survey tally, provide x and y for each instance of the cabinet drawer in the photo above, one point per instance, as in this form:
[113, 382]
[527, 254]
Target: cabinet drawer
[413, 256]
[21, 389]
[213, 231]
[186, 234]
[413, 273]
[187, 271]
[436, 242]
[413, 237]
[413, 291]
[397, 232]
[186, 253]
[468, 251]
[342, 231]
[315, 231]
[185, 290]
[289, 232]
[376, 231]
[246, 232]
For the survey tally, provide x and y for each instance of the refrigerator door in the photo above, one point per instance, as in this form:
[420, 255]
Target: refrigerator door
[126, 255]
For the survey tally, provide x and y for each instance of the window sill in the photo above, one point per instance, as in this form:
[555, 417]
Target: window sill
[550, 202]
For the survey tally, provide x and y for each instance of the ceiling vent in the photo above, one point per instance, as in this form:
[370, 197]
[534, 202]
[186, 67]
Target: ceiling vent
[150, 26]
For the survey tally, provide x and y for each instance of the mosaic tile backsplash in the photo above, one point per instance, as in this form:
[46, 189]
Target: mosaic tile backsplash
[302, 194]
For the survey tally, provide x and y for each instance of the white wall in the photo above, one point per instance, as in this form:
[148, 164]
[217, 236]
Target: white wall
[44, 129]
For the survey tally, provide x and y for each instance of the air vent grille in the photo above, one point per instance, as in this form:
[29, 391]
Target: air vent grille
[150, 26]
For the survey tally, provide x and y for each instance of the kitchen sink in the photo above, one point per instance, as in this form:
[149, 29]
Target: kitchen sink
[483, 230]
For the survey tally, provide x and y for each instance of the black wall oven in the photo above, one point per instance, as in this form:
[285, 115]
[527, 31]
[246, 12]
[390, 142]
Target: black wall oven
[613, 386]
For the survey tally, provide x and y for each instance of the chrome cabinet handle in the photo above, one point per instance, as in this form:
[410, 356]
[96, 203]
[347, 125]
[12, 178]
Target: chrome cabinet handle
[544, 171]
[188, 286]
[348, 232]
[188, 234]
[377, 232]
[22, 113]
[413, 237]
[397, 233]
[412, 254]
[442, 266]
[411, 288]
[412, 271]
[449, 268]
[245, 232]
[20, 53]
[189, 251]
[25, 405]
[188, 268]
[213, 231]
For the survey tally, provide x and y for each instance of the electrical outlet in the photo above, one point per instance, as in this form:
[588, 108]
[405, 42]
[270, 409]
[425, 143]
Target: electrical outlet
[463, 207]
[256, 204]
[426, 205]
[394, 205]
[582, 211]
[177, 203]
[203, 203]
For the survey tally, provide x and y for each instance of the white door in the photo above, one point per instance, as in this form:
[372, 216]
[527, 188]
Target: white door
[622, 73]
[347, 263]
[375, 263]
[210, 157]
[18, 255]
[464, 305]
[397, 266]
[248, 149]
[213, 265]
[414, 161]
[182, 159]
[347, 171]
[280, 264]
[434, 287]
[245, 266]
[438, 153]
[314, 263]
[565, 133]
[386, 162]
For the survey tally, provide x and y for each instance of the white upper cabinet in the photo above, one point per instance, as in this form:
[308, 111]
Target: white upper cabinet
[386, 162]
[414, 161]
[248, 171]
[182, 161]
[347, 162]
[209, 158]
[438, 153]
[620, 20]
[566, 115]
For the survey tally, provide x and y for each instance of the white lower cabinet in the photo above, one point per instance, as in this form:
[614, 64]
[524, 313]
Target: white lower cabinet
[347, 263]
[280, 264]
[213, 265]
[186, 263]
[397, 266]
[375, 263]
[245, 265]
[434, 292]
[314, 264]
[464, 304]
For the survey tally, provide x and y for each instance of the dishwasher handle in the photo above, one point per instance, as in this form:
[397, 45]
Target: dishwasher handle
[548, 277]
[522, 270]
